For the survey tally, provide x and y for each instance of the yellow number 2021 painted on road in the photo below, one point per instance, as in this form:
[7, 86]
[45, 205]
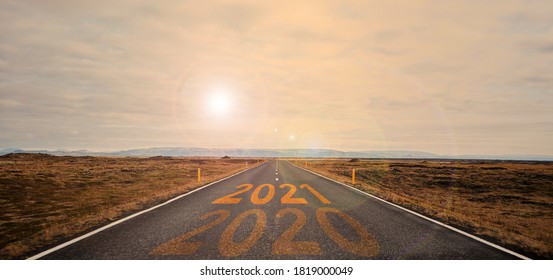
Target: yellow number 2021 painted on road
[255, 199]
[231, 199]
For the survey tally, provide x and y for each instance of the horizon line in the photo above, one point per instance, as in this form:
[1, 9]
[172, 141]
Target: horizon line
[438, 155]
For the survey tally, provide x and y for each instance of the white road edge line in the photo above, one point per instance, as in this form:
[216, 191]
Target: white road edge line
[51, 250]
[426, 218]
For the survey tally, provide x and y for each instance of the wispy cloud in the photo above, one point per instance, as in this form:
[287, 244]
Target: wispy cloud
[449, 77]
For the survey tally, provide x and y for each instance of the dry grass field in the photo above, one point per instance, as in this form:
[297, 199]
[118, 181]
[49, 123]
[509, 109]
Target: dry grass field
[46, 199]
[510, 203]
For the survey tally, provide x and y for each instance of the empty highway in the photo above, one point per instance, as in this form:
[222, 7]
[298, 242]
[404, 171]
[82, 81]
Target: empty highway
[276, 211]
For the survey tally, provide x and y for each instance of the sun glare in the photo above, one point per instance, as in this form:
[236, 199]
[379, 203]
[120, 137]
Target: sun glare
[219, 102]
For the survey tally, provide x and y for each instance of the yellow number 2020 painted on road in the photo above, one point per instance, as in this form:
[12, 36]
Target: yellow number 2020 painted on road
[284, 244]
[179, 245]
[229, 248]
[366, 246]
[255, 199]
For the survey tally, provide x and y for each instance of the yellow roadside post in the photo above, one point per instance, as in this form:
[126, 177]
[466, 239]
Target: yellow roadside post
[199, 176]
[246, 164]
[353, 177]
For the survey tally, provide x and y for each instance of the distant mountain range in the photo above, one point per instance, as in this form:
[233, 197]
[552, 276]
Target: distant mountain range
[308, 153]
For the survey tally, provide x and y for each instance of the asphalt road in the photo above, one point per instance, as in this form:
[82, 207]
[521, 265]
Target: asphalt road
[277, 211]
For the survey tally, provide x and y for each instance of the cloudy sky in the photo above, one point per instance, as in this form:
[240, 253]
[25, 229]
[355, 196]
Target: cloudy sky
[449, 77]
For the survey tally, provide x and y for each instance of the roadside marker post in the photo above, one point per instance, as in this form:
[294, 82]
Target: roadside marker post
[199, 174]
[353, 177]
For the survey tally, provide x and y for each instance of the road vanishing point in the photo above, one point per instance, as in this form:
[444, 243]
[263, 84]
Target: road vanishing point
[276, 211]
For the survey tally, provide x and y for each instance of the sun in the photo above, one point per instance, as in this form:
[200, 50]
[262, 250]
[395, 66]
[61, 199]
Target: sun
[219, 102]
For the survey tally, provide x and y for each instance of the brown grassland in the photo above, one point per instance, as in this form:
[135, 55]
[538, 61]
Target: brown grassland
[46, 199]
[510, 203]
